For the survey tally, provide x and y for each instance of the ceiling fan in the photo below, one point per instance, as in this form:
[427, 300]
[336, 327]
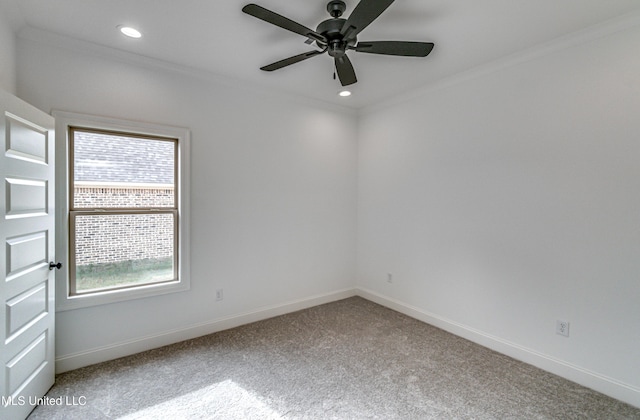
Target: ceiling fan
[336, 35]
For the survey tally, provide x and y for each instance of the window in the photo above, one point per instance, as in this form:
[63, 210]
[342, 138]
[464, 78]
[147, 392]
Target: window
[126, 209]
[123, 210]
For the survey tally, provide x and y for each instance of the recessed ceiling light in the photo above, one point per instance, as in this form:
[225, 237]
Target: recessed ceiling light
[344, 93]
[129, 31]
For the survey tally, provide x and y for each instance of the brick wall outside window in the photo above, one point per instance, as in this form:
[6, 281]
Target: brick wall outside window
[127, 237]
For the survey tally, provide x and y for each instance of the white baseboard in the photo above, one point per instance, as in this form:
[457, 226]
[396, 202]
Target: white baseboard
[113, 351]
[584, 377]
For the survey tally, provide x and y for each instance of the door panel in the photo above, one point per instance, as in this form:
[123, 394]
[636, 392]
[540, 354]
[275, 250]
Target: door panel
[26, 141]
[28, 362]
[25, 308]
[24, 252]
[26, 197]
[27, 238]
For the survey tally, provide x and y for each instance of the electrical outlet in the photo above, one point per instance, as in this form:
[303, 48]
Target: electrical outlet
[219, 294]
[562, 328]
[389, 278]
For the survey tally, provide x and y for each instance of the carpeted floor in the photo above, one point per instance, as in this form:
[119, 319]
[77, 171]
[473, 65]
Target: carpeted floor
[350, 359]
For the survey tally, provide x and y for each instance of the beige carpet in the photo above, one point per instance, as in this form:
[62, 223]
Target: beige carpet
[351, 359]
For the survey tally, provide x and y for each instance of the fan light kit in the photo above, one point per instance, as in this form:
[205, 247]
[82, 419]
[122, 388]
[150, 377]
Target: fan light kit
[336, 35]
[129, 31]
[344, 93]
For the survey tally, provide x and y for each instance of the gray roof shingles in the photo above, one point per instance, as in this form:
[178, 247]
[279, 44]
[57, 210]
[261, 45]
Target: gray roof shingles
[111, 158]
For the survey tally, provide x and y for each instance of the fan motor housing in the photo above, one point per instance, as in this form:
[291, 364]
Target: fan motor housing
[330, 29]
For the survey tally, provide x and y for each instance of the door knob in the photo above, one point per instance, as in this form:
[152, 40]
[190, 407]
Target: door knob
[53, 265]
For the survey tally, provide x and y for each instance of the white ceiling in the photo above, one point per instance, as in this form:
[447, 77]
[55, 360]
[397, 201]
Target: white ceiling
[215, 36]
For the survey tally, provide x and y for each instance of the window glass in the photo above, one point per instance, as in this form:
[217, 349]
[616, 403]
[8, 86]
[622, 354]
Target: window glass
[115, 170]
[116, 250]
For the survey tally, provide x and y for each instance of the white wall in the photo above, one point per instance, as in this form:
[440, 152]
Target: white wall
[508, 200]
[273, 194]
[7, 55]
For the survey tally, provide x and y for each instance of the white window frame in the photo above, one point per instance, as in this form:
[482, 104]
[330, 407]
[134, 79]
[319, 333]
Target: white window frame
[65, 120]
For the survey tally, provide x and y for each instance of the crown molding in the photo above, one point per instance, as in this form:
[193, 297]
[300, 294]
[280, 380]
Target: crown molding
[592, 33]
[56, 40]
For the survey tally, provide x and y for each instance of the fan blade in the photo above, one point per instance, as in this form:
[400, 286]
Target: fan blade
[346, 73]
[365, 12]
[403, 48]
[281, 21]
[291, 60]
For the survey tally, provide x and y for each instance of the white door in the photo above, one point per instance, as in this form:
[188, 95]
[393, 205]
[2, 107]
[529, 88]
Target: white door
[27, 239]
